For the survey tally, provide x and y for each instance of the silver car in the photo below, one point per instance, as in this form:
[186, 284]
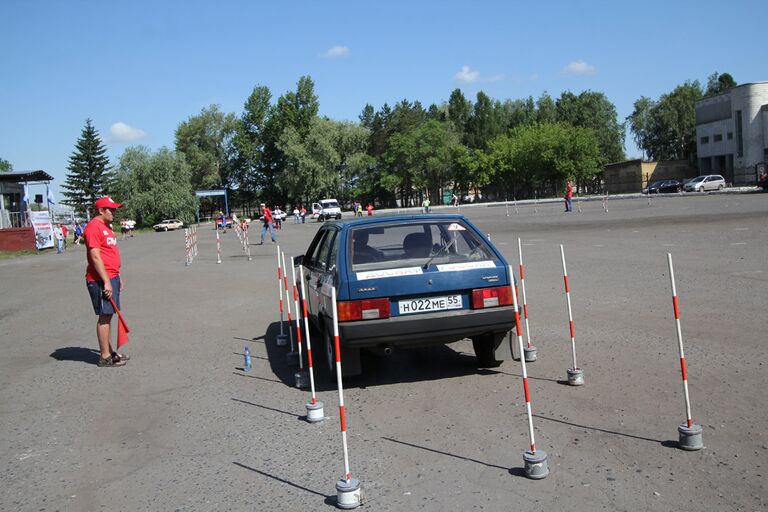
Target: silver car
[705, 183]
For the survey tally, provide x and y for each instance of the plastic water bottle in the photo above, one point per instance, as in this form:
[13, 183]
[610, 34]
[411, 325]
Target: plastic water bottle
[247, 366]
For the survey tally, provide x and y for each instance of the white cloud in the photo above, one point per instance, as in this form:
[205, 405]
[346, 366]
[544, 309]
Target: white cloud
[579, 67]
[534, 77]
[336, 52]
[121, 133]
[467, 75]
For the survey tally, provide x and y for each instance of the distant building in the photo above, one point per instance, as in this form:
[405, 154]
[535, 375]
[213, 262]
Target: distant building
[632, 176]
[732, 132]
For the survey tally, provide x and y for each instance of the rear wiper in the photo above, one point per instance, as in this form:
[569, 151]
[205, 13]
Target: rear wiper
[445, 248]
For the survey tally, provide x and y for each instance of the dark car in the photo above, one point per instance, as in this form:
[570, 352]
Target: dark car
[664, 187]
[408, 281]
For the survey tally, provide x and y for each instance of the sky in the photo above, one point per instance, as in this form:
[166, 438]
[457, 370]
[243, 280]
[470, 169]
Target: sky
[138, 69]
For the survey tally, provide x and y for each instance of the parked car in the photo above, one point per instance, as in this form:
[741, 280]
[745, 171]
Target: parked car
[407, 281]
[705, 183]
[664, 187]
[168, 224]
[326, 209]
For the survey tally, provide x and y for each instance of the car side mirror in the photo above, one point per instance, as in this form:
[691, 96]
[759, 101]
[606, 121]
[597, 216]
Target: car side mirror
[298, 259]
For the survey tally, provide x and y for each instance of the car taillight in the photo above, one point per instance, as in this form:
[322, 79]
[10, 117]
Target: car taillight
[368, 309]
[491, 297]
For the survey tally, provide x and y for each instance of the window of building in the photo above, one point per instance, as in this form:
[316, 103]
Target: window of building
[705, 140]
[730, 136]
[718, 137]
[739, 139]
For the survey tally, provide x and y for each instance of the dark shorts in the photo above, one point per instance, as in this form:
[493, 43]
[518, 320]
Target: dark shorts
[102, 306]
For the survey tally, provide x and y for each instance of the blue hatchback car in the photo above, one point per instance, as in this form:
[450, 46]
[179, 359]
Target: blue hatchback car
[408, 281]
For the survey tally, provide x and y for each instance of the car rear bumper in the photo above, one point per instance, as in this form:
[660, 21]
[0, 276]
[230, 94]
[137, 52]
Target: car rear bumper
[427, 329]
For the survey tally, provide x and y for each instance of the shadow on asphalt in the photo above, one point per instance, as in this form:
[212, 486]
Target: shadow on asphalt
[329, 500]
[666, 444]
[406, 365]
[80, 354]
[461, 457]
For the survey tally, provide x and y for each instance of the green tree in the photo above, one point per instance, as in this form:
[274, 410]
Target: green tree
[253, 143]
[719, 83]
[459, 111]
[484, 123]
[89, 174]
[5, 165]
[155, 186]
[544, 156]
[666, 129]
[205, 141]
[546, 110]
[312, 161]
[593, 110]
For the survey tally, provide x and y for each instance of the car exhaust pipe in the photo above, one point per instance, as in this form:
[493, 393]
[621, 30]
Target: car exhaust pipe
[383, 349]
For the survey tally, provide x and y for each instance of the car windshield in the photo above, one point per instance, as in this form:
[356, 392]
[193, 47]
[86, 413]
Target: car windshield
[698, 179]
[656, 184]
[411, 244]
[329, 204]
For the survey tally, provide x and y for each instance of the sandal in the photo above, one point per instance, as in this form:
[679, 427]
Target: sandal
[110, 361]
[121, 357]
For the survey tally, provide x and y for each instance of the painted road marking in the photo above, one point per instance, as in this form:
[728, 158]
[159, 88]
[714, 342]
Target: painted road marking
[742, 229]
[739, 243]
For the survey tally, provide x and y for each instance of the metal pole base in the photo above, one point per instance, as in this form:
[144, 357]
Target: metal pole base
[301, 379]
[348, 494]
[530, 354]
[575, 376]
[536, 464]
[218, 262]
[315, 412]
[690, 437]
[282, 340]
[292, 358]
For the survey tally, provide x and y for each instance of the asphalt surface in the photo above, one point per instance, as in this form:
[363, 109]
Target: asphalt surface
[182, 427]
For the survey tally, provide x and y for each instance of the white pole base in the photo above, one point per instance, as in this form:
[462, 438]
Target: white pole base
[348, 494]
[575, 376]
[292, 358]
[282, 340]
[315, 412]
[530, 354]
[301, 379]
[535, 464]
[690, 437]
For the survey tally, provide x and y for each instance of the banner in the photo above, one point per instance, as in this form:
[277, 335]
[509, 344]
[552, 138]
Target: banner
[41, 221]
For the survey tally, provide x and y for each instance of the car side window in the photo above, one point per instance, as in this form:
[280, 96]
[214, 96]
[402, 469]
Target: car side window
[325, 249]
[316, 247]
[334, 250]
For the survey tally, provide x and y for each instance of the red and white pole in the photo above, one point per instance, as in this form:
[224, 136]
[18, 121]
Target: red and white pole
[314, 408]
[348, 490]
[247, 242]
[575, 374]
[535, 461]
[690, 434]
[300, 376]
[218, 246]
[292, 356]
[530, 351]
[282, 339]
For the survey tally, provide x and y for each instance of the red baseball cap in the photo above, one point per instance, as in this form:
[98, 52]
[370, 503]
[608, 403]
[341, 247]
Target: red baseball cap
[106, 202]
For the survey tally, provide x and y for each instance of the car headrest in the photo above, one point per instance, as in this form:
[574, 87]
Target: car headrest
[416, 245]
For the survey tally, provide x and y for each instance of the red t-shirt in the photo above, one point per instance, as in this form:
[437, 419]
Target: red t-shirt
[100, 236]
[267, 215]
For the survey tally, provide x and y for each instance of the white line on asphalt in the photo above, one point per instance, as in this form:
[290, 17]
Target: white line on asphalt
[742, 229]
[738, 243]
[597, 245]
[668, 245]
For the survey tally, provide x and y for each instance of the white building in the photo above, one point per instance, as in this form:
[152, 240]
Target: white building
[732, 132]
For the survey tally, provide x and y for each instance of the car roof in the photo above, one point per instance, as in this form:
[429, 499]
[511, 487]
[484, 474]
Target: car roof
[386, 219]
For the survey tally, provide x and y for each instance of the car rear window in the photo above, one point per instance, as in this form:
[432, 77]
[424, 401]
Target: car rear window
[416, 244]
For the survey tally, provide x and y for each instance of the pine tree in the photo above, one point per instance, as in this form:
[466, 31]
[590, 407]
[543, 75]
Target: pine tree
[90, 174]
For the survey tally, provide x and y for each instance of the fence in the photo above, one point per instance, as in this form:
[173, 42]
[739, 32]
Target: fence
[13, 219]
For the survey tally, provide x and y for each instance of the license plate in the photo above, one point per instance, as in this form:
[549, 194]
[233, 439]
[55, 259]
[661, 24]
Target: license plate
[407, 307]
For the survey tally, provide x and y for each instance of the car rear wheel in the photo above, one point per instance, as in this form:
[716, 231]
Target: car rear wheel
[485, 349]
[720, 187]
[165, 228]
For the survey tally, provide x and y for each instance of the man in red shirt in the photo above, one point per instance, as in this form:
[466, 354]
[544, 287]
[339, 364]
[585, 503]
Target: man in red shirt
[569, 197]
[102, 276]
[266, 220]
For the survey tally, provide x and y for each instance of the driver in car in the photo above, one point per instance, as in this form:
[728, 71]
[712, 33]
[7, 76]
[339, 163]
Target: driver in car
[361, 251]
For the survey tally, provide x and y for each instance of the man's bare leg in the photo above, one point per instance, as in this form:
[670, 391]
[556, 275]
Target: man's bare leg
[103, 331]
